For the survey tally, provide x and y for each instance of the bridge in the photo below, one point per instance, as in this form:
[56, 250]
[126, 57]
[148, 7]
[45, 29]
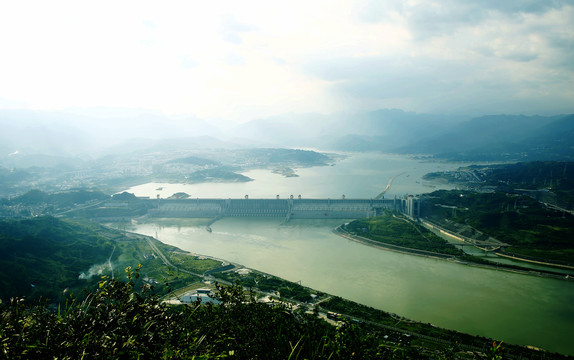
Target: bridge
[291, 208]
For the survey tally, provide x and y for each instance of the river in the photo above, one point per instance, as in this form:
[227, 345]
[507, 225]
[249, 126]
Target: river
[516, 308]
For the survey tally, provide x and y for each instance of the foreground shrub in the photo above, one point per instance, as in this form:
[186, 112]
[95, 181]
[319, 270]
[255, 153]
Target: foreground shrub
[118, 321]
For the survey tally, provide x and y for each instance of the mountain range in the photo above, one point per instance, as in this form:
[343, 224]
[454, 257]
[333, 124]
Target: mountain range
[64, 136]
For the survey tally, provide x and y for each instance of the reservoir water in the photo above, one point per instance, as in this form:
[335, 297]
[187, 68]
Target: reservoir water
[516, 308]
[361, 176]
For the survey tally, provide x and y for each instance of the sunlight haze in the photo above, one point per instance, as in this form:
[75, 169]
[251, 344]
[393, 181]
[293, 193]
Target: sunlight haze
[240, 61]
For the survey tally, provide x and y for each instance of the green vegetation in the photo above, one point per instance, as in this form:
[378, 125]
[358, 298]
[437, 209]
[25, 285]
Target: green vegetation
[118, 321]
[281, 156]
[179, 195]
[124, 196]
[36, 202]
[515, 213]
[195, 264]
[128, 320]
[556, 179]
[546, 181]
[121, 206]
[425, 336]
[519, 220]
[44, 256]
[263, 157]
[535, 175]
[220, 174]
[62, 199]
[285, 171]
[264, 282]
[48, 257]
[194, 160]
[391, 228]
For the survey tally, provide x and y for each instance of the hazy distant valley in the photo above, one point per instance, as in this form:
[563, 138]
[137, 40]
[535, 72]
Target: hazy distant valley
[53, 151]
[67, 134]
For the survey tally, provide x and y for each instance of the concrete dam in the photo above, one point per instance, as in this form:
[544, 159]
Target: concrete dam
[284, 208]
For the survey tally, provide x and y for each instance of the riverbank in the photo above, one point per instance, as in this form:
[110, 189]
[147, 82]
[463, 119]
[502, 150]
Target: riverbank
[514, 257]
[441, 231]
[377, 244]
[410, 251]
[423, 336]
[308, 251]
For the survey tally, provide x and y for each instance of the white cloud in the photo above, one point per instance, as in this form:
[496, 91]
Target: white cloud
[240, 60]
[462, 56]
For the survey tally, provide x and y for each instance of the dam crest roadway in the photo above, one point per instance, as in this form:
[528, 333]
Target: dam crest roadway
[291, 208]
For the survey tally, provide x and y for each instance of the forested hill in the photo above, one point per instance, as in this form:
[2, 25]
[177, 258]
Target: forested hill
[44, 256]
[549, 182]
[58, 200]
[532, 229]
[552, 175]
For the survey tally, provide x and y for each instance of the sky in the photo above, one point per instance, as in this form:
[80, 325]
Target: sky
[242, 60]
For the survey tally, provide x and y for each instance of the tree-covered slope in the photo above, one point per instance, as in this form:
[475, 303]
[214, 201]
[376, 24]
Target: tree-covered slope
[390, 228]
[43, 256]
[48, 257]
[519, 220]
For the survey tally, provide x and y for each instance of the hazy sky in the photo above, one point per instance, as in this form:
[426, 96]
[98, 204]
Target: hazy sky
[245, 59]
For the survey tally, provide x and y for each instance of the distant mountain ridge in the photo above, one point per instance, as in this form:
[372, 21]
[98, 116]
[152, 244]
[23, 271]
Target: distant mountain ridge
[487, 138]
[364, 131]
[513, 139]
[484, 131]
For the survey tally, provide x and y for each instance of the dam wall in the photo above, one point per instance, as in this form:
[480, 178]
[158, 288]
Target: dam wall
[204, 208]
[283, 208]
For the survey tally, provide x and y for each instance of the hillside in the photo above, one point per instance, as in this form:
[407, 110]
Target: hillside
[393, 229]
[532, 229]
[44, 256]
[48, 257]
[549, 182]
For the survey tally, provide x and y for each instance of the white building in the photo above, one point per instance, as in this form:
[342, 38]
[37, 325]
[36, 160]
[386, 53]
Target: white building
[203, 294]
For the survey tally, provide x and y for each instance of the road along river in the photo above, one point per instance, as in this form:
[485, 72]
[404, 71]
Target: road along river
[516, 308]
